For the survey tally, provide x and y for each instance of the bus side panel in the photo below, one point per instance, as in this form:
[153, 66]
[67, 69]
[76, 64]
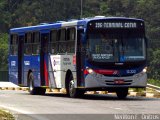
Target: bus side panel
[67, 64]
[13, 69]
[32, 63]
[51, 71]
[58, 66]
[55, 71]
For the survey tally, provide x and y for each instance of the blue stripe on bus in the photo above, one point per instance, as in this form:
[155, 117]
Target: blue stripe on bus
[58, 25]
[35, 28]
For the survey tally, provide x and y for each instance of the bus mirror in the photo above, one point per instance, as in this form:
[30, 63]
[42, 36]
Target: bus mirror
[83, 38]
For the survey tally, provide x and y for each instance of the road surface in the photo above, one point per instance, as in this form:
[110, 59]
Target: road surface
[59, 106]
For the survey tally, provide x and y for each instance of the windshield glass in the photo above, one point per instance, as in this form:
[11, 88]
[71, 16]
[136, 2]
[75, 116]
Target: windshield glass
[104, 47]
[132, 49]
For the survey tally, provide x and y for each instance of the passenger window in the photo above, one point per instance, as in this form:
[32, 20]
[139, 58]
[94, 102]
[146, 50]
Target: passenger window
[28, 44]
[53, 35]
[14, 44]
[53, 45]
[61, 41]
[71, 34]
[62, 35]
[36, 43]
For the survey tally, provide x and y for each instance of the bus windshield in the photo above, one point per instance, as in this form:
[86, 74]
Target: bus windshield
[103, 47]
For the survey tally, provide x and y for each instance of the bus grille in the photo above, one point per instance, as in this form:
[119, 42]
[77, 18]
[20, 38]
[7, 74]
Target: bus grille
[111, 82]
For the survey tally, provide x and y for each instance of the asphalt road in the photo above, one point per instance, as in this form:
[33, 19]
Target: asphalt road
[59, 106]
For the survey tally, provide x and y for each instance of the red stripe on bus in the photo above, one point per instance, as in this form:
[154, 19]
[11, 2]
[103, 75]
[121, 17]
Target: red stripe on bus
[86, 72]
[46, 74]
[74, 59]
[104, 72]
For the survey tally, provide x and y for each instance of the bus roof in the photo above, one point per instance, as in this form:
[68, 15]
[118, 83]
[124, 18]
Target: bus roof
[60, 24]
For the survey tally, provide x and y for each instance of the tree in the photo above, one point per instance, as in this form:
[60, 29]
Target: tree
[155, 65]
[18, 13]
[4, 51]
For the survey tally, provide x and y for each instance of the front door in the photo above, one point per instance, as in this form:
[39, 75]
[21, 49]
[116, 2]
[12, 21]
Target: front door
[80, 55]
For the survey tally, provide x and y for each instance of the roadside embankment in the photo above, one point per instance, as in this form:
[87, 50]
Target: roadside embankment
[5, 115]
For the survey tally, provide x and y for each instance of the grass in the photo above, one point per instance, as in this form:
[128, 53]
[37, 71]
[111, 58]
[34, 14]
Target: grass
[154, 82]
[4, 115]
[137, 89]
[150, 81]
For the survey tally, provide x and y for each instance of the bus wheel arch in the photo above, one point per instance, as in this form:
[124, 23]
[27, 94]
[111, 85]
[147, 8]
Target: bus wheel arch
[70, 86]
[68, 76]
[32, 89]
[29, 71]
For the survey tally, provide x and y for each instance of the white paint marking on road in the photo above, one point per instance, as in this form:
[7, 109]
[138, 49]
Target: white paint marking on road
[33, 115]
[8, 84]
[116, 108]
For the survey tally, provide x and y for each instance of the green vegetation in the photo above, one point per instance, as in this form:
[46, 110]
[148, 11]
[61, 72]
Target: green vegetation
[5, 115]
[16, 13]
[3, 51]
[137, 89]
[154, 82]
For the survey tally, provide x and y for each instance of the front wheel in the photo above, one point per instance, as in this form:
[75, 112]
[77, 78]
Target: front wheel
[74, 92]
[122, 93]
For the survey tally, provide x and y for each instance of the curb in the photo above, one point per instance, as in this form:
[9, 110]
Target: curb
[153, 87]
[145, 94]
[62, 91]
[14, 88]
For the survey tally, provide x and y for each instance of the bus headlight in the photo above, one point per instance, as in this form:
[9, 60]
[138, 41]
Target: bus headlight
[145, 70]
[90, 70]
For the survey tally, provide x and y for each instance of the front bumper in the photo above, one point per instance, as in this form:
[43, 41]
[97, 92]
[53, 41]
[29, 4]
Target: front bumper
[95, 80]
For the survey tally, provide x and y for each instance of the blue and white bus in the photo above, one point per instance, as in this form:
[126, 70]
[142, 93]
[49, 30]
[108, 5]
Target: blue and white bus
[100, 53]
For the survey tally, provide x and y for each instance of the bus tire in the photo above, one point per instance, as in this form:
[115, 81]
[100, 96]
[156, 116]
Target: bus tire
[122, 93]
[41, 91]
[32, 89]
[72, 91]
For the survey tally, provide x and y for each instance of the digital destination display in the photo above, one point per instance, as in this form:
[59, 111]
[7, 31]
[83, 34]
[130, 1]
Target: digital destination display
[115, 25]
[105, 24]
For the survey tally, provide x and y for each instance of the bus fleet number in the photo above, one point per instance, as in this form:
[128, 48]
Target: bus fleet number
[131, 71]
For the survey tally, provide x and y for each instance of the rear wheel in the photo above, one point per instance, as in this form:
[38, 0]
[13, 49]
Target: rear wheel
[35, 90]
[122, 93]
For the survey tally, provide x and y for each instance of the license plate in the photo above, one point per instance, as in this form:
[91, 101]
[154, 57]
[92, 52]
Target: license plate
[119, 81]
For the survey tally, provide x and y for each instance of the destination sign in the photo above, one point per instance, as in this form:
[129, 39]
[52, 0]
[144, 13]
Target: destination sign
[115, 25]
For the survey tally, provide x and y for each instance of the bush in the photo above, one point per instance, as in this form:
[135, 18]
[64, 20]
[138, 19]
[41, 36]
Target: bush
[6, 115]
[154, 82]
[154, 67]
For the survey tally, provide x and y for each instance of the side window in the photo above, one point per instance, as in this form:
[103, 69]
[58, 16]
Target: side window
[53, 44]
[62, 35]
[36, 43]
[61, 41]
[14, 44]
[71, 36]
[28, 44]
